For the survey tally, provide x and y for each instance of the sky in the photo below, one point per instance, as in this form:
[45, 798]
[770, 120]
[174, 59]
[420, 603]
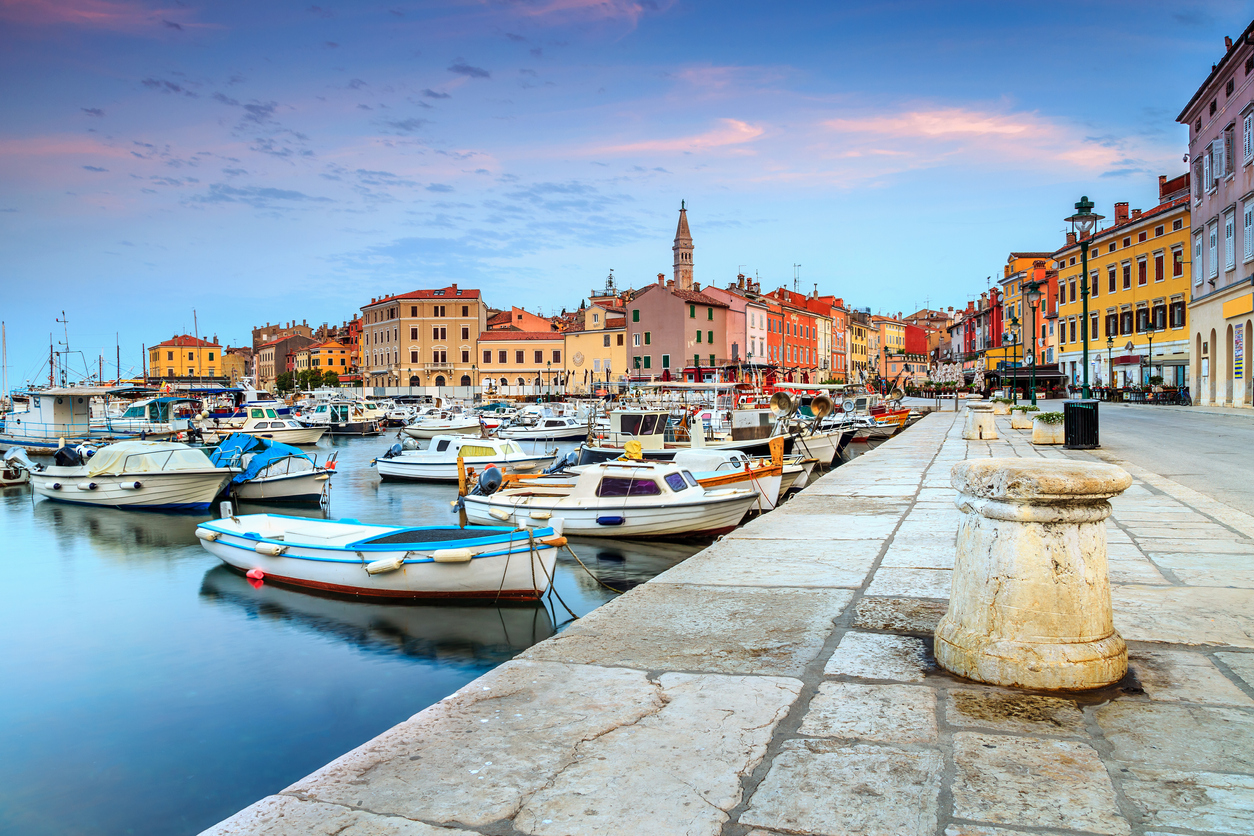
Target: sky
[257, 162]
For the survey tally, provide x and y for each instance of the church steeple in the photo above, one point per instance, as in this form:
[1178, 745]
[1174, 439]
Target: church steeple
[683, 250]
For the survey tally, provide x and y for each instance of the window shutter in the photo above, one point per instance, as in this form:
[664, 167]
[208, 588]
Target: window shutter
[1247, 231]
[1247, 135]
[1218, 165]
[1206, 178]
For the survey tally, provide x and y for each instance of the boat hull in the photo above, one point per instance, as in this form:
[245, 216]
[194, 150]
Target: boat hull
[399, 470]
[448, 429]
[305, 435]
[309, 486]
[715, 516]
[180, 490]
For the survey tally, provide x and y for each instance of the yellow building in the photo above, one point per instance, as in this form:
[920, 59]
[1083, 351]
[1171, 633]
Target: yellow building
[596, 351]
[1019, 269]
[329, 356]
[422, 338]
[1139, 278]
[185, 356]
[531, 361]
[859, 350]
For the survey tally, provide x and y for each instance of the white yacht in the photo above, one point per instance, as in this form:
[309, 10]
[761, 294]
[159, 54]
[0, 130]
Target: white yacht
[545, 428]
[438, 463]
[443, 422]
[134, 474]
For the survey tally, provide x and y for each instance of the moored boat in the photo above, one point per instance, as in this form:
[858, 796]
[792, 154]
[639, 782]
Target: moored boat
[271, 471]
[354, 558]
[438, 463]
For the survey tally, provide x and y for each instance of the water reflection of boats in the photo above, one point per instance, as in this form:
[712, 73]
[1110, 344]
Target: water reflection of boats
[129, 533]
[624, 564]
[448, 633]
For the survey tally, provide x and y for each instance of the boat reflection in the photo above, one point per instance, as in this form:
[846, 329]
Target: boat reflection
[623, 564]
[450, 634]
[116, 530]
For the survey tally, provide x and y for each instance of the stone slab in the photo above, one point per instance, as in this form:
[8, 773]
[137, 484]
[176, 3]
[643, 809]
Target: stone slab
[677, 771]
[1204, 801]
[981, 830]
[880, 656]
[800, 563]
[816, 526]
[1191, 615]
[283, 815]
[720, 629]
[891, 581]
[1133, 570]
[479, 753]
[1033, 782]
[874, 506]
[1202, 569]
[822, 787]
[1184, 676]
[899, 615]
[1010, 711]
[920, 553]
[1242, 664]
[1179, 736]
[903, 714]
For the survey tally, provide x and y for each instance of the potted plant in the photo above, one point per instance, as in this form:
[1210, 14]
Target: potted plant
[1021, 416]
[1001, 406]
[1047, 428]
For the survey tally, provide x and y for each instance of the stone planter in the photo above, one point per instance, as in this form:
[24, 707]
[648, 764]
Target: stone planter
[979, 424]
[1001, 409]
[1030, 603]
[1043, 433]
[1021, 420]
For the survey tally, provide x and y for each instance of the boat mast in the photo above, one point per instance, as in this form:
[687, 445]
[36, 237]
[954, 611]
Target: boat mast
[4, 366]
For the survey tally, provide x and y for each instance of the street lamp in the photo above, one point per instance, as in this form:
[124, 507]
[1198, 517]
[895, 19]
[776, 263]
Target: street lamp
[1110, 363]
[1032, 290]
[1149, 332]
[549, 371]
[1083, 222]
[1014, 352]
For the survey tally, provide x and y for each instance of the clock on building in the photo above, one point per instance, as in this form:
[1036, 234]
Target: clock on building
[578, 358]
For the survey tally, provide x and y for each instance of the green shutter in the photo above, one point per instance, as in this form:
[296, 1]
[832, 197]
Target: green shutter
[692, 311]
[698, 336]
[636, 361]
[666, 361]
[709, 314]
[635, 314]
[647, 335]
[711, 359]
[709, 337]
[648, 361]
[696, 359]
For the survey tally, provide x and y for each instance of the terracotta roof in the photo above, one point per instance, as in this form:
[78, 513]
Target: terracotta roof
[1030, 255]
[1120, 228]
[699, 298]
[327, 344]
[187, 340]
[503, 318]
[504, 335]
[615, 323]
[439, 293]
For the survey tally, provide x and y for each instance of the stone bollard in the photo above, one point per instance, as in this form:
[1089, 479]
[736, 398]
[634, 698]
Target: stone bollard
[1030, 600]
[979, 424]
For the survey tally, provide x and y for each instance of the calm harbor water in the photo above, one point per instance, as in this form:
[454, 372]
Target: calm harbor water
[149, 690]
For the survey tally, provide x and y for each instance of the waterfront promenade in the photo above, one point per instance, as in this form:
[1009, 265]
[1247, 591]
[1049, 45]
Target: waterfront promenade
[782, 682]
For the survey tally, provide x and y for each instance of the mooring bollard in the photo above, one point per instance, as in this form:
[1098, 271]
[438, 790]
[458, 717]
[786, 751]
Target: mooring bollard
[979, 424]
[1030, 600]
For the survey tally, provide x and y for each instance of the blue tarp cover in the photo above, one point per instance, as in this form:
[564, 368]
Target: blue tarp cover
[265, 453]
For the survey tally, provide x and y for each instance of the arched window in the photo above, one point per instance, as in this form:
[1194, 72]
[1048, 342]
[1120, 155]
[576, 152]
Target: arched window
[439, 380]
[414, 380]
[504, 382]
[465, 380]
[522, 382]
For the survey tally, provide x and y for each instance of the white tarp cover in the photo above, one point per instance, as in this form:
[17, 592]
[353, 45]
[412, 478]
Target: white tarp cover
[146, 457]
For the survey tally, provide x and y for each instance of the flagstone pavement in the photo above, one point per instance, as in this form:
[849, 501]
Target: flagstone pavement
[782, 682]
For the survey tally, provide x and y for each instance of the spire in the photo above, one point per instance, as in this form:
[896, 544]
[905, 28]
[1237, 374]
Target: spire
[683, 250]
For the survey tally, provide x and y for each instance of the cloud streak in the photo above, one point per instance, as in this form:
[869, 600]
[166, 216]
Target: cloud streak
[731, 132]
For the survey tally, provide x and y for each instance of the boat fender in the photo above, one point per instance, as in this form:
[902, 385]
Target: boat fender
[90, 486]
[255, 574]
[555, 541]
[541, 515]
[452, 555]
[609, 520]
[130, 486]
[387, 564]
[206, 534]
[272, 549]
[56, 486]
[500, 513]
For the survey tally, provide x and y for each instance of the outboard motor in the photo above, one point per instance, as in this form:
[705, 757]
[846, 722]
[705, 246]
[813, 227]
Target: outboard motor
[410, 444]
[562, 462]
[489, 482]
[68, 457]
[394, 450]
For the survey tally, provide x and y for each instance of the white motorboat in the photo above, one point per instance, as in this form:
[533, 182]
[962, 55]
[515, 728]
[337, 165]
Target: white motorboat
[285, 430]
[618, 499]
[341, 418]
[438, 463]
[271, 471]
[443, 422]
[353, 558]
[725, 468]
[14, 468]
[134, 474]
[547, 428]
[160, 416]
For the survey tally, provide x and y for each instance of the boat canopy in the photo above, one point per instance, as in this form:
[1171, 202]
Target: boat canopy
[146, 457]
[253, 454]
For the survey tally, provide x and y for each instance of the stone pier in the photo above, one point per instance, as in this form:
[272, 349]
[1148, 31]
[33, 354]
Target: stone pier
[782, 682]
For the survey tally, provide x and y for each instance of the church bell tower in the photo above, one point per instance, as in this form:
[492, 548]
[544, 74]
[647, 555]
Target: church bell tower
[683, 251]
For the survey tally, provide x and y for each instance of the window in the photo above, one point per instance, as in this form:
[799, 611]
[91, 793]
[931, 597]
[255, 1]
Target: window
[605, 341]
[1141, 272]
[1073, 296]
[413, 311]
[1228, 87]
[1212, 107]
[699, 336]
[540, 356]
[487, 356]
[1177, 263]
[1229, 150]
[557, 355]
[1140, 238]
[1158, 230]
[1247, 138]
[1125, 323]
[465, 310]
[711, 359]
[1127, 275]
[518, 356]
[169, 355]
[635, 314]
[648, 337]
[1207, 180]
[1177, 314]
[709, 314]
[465, 332]
[1093, 284]
[1230, 249]
[648, 361]
[709, 337]
[1159, 316]
[438, 333]
[1110, 275]
[1197, 258]
[676, 481]
[692, 311]
[1072, 331]
[413, 356]
[1158, 267]
[465, 356]
[437, 310]
[635, 340]
[1142, 320]
[191, 356]
[1247, 231]
[191, 372]
[1111, 248]
[500, 356]
[627, 486]
[1127, 242]
[620, 340]
[1112, 325]
[1213, 247]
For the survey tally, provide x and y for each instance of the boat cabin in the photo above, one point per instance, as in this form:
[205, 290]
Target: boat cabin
[646, 426]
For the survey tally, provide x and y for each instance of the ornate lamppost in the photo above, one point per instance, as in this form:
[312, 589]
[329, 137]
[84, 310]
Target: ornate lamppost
[1014, 352]
[1083, 222]
[1149, 332]
[1032, 290]
[1110, 365]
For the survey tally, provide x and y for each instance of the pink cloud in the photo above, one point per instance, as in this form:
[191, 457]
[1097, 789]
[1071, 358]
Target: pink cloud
[606, 9]
[733, 132]
[119, 15]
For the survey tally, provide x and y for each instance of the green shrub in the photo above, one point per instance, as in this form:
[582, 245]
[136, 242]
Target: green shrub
[1002, 400]
[1027, 408]
[1049, 417]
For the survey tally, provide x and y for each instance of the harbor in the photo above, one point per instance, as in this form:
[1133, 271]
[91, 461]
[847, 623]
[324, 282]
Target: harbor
[782, 681]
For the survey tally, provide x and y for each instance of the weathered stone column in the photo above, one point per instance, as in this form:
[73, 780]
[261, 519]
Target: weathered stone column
[1030, 600]
[979, 423]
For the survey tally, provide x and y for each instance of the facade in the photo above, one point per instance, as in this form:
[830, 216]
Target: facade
[839, 367]
[596, 351]
[799, 337]
[675, 334]
[521, 320]
[902, 350]
[859, 345]
[185, 356]
[1220, 117]
[1139, 281]
[276, 357]
[236, 362]
[268, 333]
[736, 347]
[422, 338]
[522, 358]
[329, 356]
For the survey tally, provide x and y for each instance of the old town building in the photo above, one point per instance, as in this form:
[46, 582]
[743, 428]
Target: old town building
[422, 338]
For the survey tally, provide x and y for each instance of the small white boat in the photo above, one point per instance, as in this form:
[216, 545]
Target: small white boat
[546, 428]
[619, 499]
[285, 430]
[135, 474]
[340, 418]
[271, 471]
[353, 558]
[726, 468]
[438, 463]
[15, 468]
[443, 422]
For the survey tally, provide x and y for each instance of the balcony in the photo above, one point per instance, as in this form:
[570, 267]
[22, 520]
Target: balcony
[438, 367]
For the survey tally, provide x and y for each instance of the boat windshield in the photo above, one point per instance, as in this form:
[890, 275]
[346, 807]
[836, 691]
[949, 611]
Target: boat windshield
[676, 481]
[627, 486]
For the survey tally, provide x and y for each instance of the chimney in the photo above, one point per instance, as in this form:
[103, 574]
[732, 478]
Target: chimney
[1070, 239]
[670, 284]
[1121, 212]
[1227, 43]
[740, 281]
[454, 285]
[696, 287]
[1136, 214]
[1162, 181]
[661, 278]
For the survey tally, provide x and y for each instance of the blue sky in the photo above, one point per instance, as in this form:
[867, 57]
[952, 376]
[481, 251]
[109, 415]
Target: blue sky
[266, 161]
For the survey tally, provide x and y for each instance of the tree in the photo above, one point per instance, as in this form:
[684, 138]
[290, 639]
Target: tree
[330, 378]
[284, 382]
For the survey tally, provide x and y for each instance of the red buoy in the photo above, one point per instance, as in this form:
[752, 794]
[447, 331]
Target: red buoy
[256, 574]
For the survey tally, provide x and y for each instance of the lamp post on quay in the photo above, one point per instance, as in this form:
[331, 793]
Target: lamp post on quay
[1014, 352]
[1149, 332]
[1083, 222]
[1110, 364]
[1032, 291]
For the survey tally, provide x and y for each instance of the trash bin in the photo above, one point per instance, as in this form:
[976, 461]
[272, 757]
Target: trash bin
[1080, 425]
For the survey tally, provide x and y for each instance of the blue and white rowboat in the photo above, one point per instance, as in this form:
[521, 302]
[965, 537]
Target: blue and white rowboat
[352, 558]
